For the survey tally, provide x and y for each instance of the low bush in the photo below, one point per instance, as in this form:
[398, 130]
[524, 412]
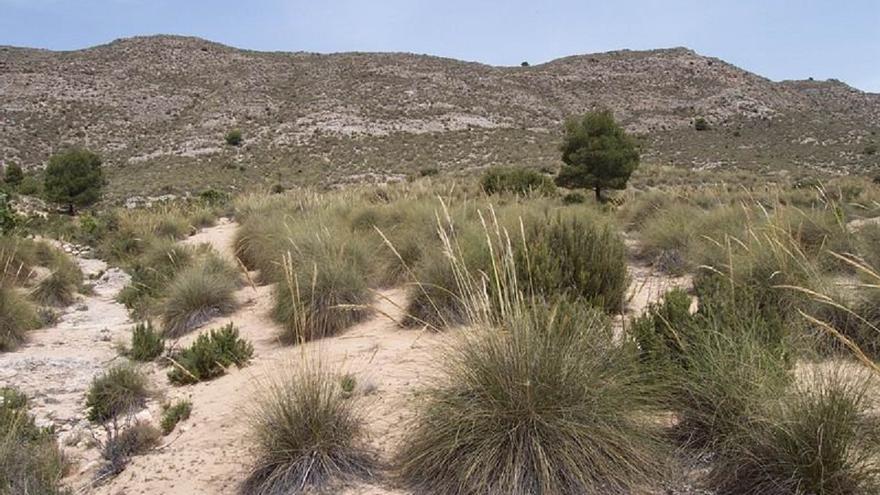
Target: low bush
[17, 317]
[210, 355]
[118, 392]
[821, 438]
[575, 257]
[199, 293]
[308, 436]
[544, 404]
[573, 199]
[234, 137]
[173, 414]
[519, 180]
[146, 343]
[661, 332]
[121, 445]
[30, 461]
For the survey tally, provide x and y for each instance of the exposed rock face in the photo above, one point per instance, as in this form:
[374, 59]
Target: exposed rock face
[158, 107]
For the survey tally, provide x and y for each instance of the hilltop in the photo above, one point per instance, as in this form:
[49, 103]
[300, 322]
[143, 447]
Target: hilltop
[157, 109]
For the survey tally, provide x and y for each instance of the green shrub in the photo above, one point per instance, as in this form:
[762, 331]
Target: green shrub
[575, 257]
[234, 137]
[661, 331]
[573, 199]
[213, 197]
[198, 294]
[308, 436]
[701, 124]
[520, 181]
[30, 461]
[8, 219]
[822, 438]
[545, 404]
[118, 392]
[146, 343]
[210, 355]
[17, 317]
[173, 414]
[30, 186]
[13, 175]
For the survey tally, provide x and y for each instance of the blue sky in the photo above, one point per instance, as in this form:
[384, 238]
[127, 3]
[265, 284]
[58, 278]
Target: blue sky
[780, 39]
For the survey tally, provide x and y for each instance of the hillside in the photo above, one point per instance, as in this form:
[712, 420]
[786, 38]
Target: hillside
[157, 109]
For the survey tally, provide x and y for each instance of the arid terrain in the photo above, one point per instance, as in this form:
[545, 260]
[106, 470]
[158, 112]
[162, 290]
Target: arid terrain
[234, 272]
[157, 108]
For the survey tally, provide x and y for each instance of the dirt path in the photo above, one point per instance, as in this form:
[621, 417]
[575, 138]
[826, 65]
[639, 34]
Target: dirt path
[55, 366]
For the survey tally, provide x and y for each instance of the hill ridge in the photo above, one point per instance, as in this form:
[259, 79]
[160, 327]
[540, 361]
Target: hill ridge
[158, 103]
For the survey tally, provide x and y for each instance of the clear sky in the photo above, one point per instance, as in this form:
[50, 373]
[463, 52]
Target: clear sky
[780, 39]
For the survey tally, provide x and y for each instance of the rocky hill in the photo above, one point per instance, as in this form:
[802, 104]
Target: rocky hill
[157, 109]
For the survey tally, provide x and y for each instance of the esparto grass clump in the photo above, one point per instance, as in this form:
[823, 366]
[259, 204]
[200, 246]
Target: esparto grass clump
[544, 404]
[309, 435]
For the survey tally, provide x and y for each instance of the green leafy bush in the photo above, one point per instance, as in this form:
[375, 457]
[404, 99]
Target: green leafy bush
[210, 355]
[574, 198]
[661, 331]
[174, 414]
[701, 124]
[520, 181]
[308, 436]
[119, 391]
[234, 137]
[146, 343]
[575, 257]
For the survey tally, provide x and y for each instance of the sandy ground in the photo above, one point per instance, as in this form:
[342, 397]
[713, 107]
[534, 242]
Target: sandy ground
[210, 453]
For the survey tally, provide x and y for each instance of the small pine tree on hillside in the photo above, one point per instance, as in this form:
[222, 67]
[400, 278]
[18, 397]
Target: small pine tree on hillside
[74, 179]
[598, 154]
